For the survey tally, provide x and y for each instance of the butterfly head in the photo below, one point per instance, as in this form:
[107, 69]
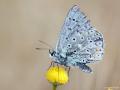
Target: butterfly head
[52, 52]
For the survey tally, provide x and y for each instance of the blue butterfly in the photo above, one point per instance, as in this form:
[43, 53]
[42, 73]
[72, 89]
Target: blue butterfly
[79, 43]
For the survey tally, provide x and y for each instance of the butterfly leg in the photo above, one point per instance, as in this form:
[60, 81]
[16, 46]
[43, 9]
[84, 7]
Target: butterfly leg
[51, 64]
[68, 69]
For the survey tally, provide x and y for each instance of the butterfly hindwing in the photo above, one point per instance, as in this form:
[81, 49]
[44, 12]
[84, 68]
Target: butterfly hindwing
[85, 68]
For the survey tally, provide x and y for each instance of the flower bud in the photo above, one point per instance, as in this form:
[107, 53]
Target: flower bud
[57, 75]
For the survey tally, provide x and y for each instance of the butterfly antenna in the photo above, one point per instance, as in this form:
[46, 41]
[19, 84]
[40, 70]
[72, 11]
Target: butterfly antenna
[42, 48]
[49, 46]
[45, 43]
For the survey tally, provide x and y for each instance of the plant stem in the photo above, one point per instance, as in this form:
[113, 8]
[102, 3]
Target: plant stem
[54, 86]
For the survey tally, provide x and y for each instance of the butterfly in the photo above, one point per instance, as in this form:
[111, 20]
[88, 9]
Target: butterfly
[79, 43]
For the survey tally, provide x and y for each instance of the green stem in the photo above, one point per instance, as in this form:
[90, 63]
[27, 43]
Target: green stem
[54, 86]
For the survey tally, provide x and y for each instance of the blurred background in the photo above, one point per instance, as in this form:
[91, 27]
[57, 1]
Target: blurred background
[24, 22]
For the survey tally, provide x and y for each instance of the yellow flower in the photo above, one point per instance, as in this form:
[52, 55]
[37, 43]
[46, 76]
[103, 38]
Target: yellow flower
[57, 75]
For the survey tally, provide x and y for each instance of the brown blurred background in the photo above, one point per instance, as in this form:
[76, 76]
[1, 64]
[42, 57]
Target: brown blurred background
[24, 22]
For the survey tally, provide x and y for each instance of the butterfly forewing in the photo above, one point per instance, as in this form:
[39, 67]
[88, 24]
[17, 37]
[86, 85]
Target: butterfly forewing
[78, 40]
